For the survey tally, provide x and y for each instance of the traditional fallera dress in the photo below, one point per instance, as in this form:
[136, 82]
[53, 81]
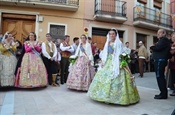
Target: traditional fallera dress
[120, 90]
[82, 72]
[7, 65]
[32, 72]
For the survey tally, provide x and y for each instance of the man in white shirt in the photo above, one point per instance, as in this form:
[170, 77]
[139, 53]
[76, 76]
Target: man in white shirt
[49, 52]
[127, 49]
[66, 50]
[75, 44]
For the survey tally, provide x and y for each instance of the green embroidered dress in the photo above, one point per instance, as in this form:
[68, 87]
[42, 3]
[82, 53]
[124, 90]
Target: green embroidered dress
[120, 90]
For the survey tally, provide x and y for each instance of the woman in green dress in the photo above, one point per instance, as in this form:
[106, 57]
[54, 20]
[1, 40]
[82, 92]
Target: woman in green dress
[113, 83]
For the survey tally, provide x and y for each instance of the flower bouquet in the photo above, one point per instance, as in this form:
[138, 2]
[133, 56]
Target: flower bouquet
[124, 60]
[72, 59]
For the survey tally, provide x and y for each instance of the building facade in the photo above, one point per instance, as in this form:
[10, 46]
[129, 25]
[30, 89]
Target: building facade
[172, 7]
[59, 17]
[135, 20]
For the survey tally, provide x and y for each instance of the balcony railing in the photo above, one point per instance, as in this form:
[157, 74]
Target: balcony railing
[49, 3]
[152, 17]
[116, 8]
[112, 9]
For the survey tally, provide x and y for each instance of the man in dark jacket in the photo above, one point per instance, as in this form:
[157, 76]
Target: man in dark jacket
[161, 52]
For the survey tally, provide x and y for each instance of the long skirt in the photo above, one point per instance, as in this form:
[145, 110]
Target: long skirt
[81, 75]
[7, 70]
[120, 90]
[32, 72]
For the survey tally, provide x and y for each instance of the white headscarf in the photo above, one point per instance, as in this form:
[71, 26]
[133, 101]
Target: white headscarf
[6, 34]
[118, 49]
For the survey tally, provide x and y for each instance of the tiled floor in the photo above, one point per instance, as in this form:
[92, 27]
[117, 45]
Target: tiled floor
[61, 101]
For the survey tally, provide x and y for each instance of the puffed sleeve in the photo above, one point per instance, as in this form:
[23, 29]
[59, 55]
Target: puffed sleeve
[2, 48]
[38, 48]
[28, 48]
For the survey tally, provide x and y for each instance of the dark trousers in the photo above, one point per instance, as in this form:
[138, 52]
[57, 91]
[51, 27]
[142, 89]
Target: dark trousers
[64, 69]
[141, 66]
[133, 68]
[172, 78]
[161, 81]
[50, 67]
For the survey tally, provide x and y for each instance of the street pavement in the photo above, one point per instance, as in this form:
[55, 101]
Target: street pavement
[62, 101]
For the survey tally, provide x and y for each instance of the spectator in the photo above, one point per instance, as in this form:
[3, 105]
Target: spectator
[143, 54]
[172, 64]
[133, 61]
[127, 49]
[92, 46]
[161, 52]
[19, 47]
[75, 44]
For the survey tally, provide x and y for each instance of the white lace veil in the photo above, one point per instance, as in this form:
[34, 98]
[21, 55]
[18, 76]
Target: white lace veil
[118, 49]
[78, 48]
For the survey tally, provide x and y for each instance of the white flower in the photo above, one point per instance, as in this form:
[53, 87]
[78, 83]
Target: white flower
[128, 56]
[123, 54]
[73, 57]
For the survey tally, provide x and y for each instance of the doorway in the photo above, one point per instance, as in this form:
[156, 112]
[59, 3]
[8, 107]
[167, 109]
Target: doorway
[18, 25]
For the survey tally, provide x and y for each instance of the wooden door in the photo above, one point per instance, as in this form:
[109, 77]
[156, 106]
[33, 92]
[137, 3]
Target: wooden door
[19, 28]
[141, 37]
[100, 40]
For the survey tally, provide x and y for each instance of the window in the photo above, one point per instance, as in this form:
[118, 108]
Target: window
[158, 4]
[157, 7]
[142, 5]
[157, 14]
[57, 31]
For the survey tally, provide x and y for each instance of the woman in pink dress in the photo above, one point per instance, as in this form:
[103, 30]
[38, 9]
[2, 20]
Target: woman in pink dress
[82, 72]
[32, 72]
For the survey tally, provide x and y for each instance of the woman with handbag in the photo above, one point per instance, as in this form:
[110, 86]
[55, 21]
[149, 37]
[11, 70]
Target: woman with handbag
[32, 72]
[82, 71]
[8, 61]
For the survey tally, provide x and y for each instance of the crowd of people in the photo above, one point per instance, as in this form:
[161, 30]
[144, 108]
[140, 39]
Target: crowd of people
[37, 64]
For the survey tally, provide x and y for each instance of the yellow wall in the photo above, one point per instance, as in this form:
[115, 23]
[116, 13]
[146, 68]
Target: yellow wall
[73, 20]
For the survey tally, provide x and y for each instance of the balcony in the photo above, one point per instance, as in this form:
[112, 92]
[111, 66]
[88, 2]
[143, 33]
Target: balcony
[151, 19]
[110, 11]
[66, 5]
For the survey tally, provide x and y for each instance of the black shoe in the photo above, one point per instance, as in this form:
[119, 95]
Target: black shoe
[173, 94]
[160, 97]
[140, 76]
[157, 95]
